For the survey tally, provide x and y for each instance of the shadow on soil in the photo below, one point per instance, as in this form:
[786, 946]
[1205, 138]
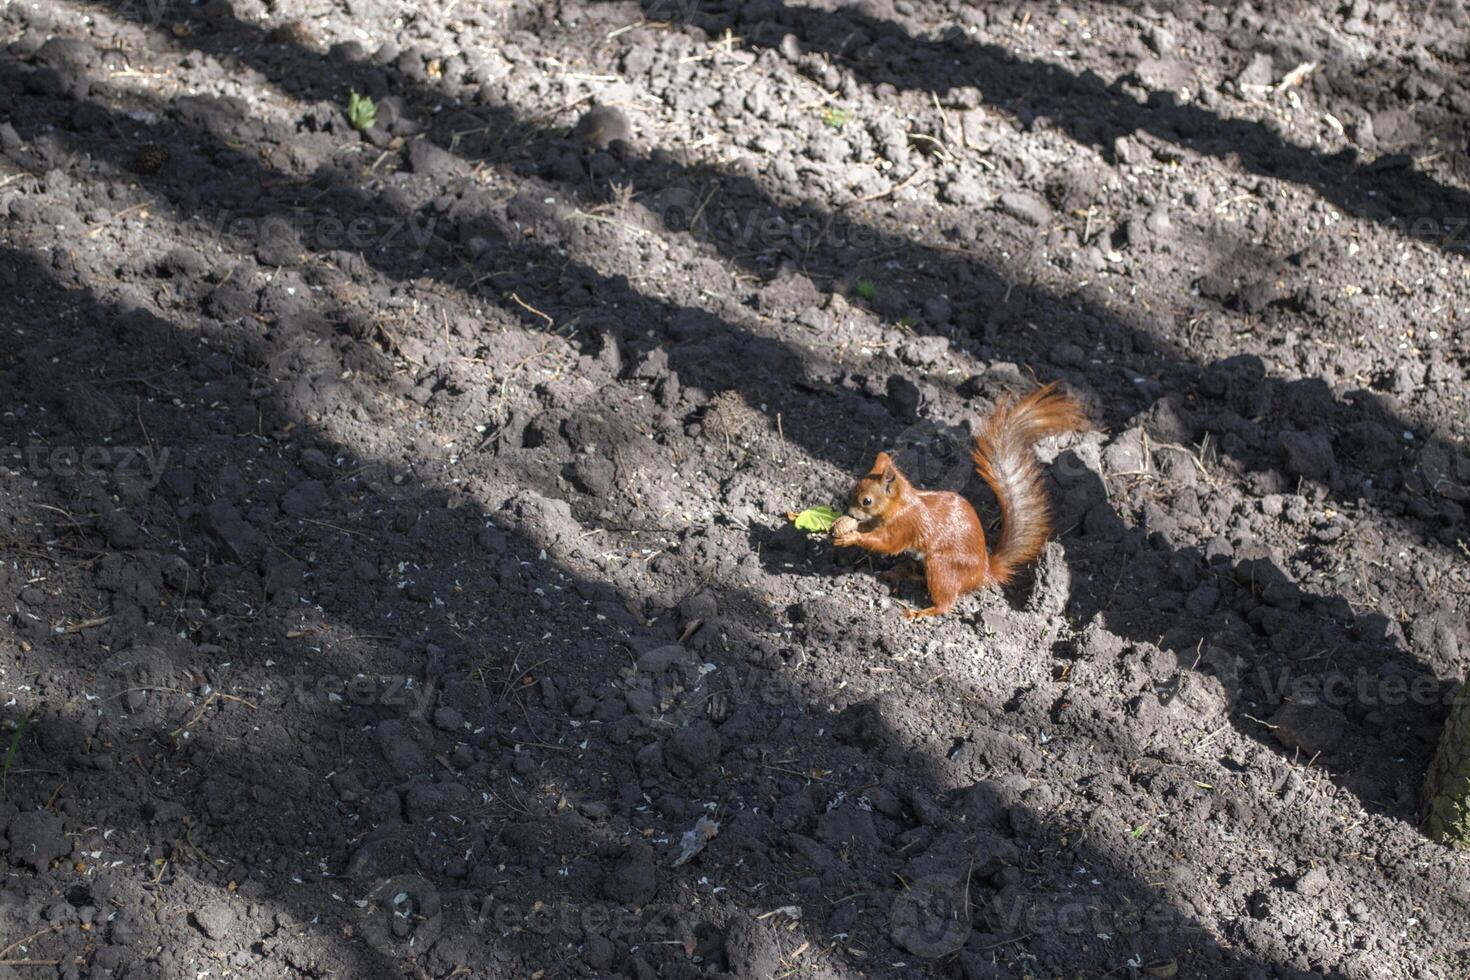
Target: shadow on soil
[235, 754]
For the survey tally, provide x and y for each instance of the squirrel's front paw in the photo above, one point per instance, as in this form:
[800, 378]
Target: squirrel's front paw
[844, 532]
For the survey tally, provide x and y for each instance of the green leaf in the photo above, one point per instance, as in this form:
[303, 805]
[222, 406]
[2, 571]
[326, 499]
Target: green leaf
[866, 288]
[362, 112]
[836, 118]
[817, 520]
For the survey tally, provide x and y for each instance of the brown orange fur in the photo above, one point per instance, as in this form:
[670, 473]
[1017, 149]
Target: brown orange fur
[942, 529]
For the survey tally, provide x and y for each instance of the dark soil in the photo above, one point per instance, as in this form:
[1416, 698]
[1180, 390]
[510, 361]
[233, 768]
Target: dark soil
[396, 573]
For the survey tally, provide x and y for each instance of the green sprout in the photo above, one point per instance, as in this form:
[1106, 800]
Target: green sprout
[836, 118]
[866, 288]
[362, 112]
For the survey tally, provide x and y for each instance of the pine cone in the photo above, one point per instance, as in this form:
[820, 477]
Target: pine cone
[150, 158]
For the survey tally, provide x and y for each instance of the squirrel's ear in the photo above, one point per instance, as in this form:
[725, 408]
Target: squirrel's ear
[881, 462]
[888, 473]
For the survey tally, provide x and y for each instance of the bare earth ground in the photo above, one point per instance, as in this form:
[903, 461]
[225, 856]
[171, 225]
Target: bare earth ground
[394, 559]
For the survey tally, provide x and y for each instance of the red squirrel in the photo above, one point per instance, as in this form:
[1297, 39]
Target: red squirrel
[891, 516]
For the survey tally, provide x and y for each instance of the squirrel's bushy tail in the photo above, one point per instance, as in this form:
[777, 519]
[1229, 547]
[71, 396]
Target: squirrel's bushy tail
[1005, 459]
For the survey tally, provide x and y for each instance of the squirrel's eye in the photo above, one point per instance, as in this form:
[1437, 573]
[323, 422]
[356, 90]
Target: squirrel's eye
[867, 501]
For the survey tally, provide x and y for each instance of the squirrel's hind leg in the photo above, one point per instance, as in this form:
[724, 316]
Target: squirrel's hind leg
[944, 588]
